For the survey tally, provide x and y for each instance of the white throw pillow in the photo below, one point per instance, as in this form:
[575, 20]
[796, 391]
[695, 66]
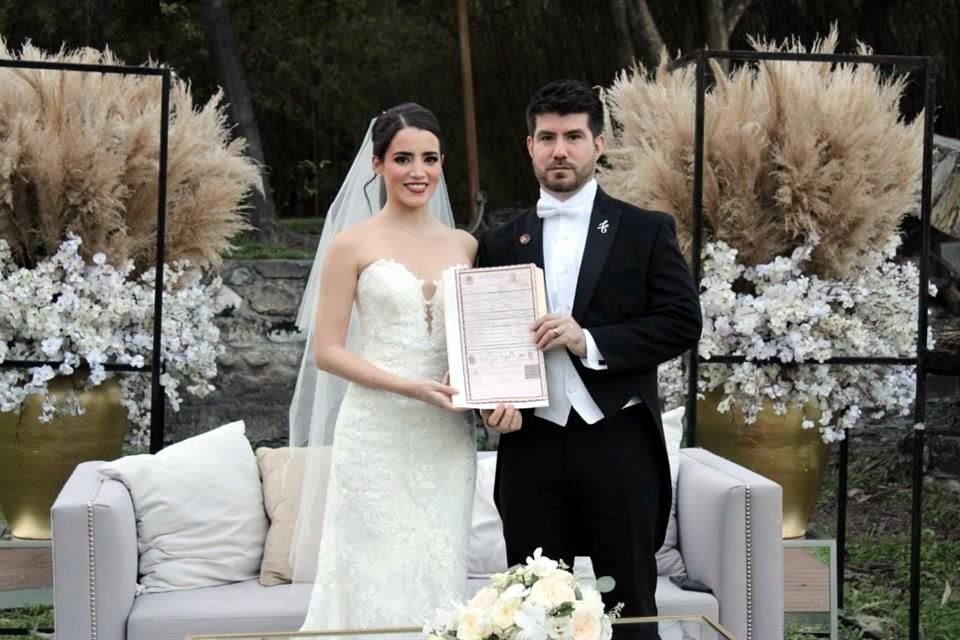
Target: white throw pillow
[199, 509]
[669, 560]
[487, 553]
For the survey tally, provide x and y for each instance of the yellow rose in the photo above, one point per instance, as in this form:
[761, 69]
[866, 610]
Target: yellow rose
[551, 591]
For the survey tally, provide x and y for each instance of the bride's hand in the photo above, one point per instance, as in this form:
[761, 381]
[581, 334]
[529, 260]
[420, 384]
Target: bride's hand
[432, 392]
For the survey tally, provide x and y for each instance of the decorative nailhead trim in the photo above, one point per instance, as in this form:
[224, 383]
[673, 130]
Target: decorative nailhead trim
[749, 550]
[91, 573]
[92, 563]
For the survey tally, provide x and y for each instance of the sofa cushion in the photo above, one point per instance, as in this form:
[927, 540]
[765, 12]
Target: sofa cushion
[669, 560]
[199, 510]
[674, 601]
[281, 471]
[486, 551]
[232, 608]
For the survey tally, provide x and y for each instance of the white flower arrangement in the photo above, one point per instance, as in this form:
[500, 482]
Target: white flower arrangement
[88, 314]
[779, 311]
[539, 600]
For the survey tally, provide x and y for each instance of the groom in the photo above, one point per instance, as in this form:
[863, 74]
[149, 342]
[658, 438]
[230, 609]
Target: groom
[588, 475]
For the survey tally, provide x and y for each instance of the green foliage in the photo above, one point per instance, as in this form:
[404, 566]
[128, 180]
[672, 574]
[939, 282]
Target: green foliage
[318, 70]
[878, 550]
[37, 617]
[313, 226]
[254, 250]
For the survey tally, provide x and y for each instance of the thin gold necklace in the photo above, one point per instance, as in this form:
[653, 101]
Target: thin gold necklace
[411, 233]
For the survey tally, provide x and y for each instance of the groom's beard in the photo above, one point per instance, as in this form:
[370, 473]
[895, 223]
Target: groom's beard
[571, 182]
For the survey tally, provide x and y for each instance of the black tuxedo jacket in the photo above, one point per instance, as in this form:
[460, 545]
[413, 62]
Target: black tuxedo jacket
[634, 294]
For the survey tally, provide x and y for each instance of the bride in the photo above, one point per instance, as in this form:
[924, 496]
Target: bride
[398, 504]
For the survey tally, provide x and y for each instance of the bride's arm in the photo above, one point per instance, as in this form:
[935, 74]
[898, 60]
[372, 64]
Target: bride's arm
[338, 287]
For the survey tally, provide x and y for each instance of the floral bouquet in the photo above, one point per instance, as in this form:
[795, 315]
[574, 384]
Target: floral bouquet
[534, 601]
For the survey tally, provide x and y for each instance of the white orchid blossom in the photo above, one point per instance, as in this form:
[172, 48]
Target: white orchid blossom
[777, 311]
[88, 315]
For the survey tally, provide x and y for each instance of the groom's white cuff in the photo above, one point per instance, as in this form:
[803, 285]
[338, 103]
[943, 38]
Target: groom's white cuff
[594, 359]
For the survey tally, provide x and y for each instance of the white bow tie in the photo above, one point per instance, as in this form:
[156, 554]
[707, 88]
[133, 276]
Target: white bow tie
[547, 209]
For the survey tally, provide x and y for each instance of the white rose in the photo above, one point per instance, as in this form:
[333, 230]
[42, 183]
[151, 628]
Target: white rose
[551, 592]
[504, 613]
[585, 624]
[473, 625]
[563, 576]
[483, 598]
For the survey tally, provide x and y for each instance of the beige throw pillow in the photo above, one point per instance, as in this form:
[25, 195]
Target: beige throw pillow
[281, 471]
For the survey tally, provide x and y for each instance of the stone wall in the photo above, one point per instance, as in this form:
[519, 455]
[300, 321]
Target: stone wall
[259, 303]
[258, 307]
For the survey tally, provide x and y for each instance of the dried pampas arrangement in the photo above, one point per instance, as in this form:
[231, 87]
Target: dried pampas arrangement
[796, 153]
[79, 152]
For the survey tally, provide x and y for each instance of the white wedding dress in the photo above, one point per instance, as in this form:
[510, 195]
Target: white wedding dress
[399, 502]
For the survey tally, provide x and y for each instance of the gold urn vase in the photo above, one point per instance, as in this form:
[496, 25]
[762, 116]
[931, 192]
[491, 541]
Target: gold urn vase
[36, 458]
[776, 447]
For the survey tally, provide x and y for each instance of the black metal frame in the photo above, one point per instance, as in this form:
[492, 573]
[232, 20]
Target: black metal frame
[157, 414]
[156, 367]
[911, 63]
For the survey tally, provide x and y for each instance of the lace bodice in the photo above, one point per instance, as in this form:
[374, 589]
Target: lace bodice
[401, 329]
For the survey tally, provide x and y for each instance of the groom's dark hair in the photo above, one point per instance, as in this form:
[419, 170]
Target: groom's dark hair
[565, 97]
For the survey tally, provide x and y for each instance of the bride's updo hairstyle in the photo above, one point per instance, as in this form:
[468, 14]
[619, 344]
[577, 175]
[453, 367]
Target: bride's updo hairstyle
[388, 123]
[409, 114]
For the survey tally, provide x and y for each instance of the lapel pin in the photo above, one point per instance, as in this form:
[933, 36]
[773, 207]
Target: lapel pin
[603, 227]
[525, 238]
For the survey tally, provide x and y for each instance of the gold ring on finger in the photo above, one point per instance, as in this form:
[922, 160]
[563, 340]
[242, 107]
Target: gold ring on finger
[557, 332]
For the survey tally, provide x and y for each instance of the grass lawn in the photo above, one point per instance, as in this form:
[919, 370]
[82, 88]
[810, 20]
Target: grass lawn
[312, 226]
[252, 250]
[27, 618]
[877, 590]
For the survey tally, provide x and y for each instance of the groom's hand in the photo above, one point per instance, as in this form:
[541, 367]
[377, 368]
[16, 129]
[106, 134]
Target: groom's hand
[504, 419]
[560, 330]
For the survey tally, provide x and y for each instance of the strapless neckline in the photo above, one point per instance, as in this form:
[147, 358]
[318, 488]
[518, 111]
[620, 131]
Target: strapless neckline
[402, 268]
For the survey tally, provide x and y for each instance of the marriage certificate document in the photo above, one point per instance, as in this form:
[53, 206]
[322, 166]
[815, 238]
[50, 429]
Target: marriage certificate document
[488, 313]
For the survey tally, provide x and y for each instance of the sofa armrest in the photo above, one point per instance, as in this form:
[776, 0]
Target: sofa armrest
[729, 521]
[94, 556]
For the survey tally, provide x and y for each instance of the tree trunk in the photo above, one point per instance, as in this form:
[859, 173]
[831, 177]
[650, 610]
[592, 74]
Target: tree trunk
[651, 42]
[223, 48]
[621, 26]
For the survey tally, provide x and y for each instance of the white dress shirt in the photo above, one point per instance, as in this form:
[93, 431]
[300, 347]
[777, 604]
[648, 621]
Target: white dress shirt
[565, 227]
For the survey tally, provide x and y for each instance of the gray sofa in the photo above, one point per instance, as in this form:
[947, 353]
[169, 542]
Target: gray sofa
[728, 518]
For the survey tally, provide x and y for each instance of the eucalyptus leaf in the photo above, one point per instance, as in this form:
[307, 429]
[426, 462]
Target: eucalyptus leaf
[606, 584]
